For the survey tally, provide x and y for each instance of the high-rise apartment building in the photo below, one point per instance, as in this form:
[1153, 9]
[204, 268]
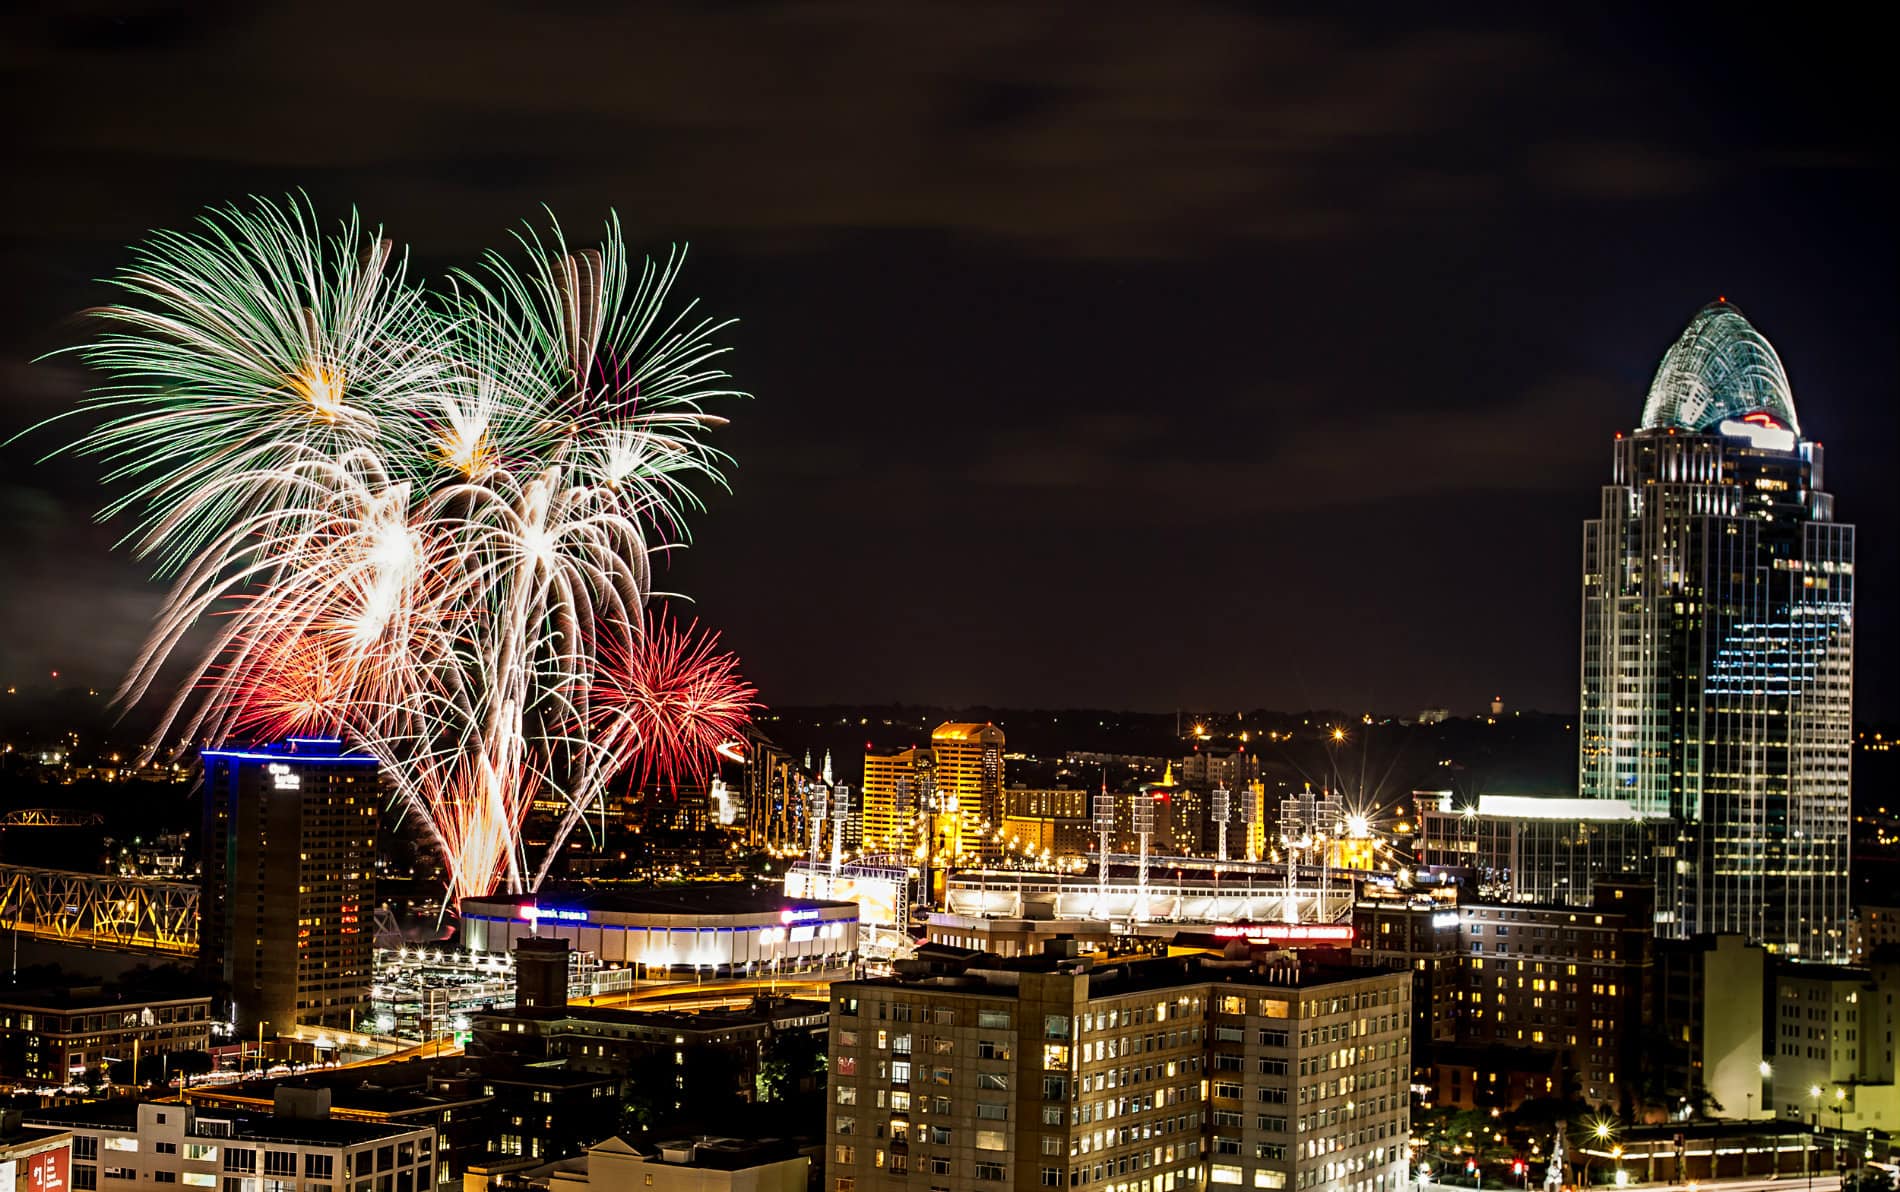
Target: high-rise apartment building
[1156, 1075]
[287, 911]
[1717, 691]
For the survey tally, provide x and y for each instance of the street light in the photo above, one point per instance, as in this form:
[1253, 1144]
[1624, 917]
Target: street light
[1814, 1118]
[1601, 1129]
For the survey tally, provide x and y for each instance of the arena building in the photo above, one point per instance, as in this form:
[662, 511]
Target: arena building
[705, 930]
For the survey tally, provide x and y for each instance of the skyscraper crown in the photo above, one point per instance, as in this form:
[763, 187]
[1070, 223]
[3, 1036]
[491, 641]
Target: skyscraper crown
[1719, 368]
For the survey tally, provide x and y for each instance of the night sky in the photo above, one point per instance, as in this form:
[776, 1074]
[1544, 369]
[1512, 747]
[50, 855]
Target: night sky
[1143, 356]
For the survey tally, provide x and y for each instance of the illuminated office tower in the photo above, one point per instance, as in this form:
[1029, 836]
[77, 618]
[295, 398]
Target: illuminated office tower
[286, 916]
[898, 787]
[943, 794]
[1718, 601]
[970, 782]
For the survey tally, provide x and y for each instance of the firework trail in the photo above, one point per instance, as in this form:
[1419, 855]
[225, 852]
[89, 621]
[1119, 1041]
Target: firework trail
[670, 697]
[420, 520]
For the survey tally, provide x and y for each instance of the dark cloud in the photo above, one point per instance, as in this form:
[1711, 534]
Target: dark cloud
[1105, 353]
[1098, 130]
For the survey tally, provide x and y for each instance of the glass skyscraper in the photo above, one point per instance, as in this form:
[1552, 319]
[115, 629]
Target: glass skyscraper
[1718, 612]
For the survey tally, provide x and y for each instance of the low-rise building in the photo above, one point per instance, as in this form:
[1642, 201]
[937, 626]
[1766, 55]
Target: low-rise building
[125, 1144]
[56, 1034]
[687, 1165]
[1875, 927]
[444, 1094]
[1710, 994]
[34, 1158]
[1572, 980]
[1833, 1064]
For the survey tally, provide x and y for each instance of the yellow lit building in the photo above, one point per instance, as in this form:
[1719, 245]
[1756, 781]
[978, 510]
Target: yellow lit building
[969, 782]
[957, 779]
[896, 788]
[1055, 820]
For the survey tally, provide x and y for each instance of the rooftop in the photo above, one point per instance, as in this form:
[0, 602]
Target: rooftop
[953, 732]
[123, 1117]
[679, 1021]
[989, 975]
[16, 1137]
[327, 750]
[1543, 807]
[84, 995]
[1719, 368]
[700, 898]
[393, 1089]
[720, 1154]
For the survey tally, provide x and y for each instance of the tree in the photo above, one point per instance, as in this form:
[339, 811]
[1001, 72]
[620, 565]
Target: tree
[792, 1058]
[703, 1087]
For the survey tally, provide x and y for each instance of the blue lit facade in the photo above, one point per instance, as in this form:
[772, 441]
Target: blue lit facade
[1718, 611]
[288, 905]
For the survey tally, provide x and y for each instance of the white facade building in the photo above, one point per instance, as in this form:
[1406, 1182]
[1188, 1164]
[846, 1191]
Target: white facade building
[173, 1147]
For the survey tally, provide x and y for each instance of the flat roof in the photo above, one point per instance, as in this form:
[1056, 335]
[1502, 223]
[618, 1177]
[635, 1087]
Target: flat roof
[398, 1088]
[1543, 807]
[245, 1127]
[94, 996]
[22, 1138]
[673, 1020]
[992, 976]
[719, 1154]
[707, 898]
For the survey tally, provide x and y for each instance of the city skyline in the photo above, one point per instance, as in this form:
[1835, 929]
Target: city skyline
[1315, 391]
[913, 598]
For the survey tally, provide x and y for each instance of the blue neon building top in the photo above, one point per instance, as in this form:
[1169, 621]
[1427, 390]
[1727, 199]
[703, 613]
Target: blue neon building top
[1719, 368]
[327, 750]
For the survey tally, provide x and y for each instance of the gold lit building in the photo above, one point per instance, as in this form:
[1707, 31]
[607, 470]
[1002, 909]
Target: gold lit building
[955, 783]
[969, 782]
[897, 786]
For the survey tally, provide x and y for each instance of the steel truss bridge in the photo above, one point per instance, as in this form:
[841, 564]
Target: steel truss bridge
[50, 817]
[97, 910]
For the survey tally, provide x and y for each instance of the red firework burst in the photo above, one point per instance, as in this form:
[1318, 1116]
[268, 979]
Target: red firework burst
[670, 698]
[298, 684]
